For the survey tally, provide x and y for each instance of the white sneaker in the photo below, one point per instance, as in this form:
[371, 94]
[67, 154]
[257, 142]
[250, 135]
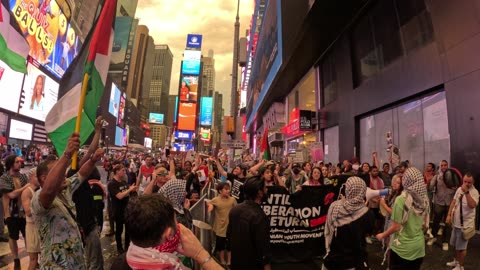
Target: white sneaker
[453, 263]
[445, 247]
[440, 231]
[431, 241]
[368, 240]
[429, 233]
[458, 267]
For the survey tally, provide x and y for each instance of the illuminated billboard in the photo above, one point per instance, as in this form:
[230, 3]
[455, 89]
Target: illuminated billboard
[121, 110]
[194, 41]
[114, 101]
[120, 136]
[20, 130]
[188, 88]
[191, 62]
[206, 111]
[147, 142]
[187, 113]
[39, 93]
[120, 43]
[155, 118]
[183, 135]
[10, 84]
[205, 134]
[53, 42]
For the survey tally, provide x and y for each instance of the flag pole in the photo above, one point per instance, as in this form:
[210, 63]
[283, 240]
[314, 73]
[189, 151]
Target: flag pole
[79, 116]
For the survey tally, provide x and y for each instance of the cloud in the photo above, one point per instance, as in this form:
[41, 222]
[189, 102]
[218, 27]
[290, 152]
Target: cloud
[169, 22]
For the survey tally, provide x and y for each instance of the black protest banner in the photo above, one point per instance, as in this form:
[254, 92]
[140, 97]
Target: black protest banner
[297, 221]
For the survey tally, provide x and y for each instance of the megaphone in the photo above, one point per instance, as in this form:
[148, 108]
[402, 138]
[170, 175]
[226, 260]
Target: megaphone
[372, 193]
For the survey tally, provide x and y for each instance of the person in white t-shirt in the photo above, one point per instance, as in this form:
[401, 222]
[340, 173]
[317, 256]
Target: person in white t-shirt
[465, 197]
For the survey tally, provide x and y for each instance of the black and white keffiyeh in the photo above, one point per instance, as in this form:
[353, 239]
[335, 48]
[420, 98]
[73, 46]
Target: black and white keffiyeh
[415, 193]
[346, 210]
[174, 190]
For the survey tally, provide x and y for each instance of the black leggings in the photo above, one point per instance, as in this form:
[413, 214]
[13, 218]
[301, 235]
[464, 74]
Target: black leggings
[398, 263]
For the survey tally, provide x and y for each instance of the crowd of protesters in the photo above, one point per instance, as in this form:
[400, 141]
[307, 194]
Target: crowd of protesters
[59, 210]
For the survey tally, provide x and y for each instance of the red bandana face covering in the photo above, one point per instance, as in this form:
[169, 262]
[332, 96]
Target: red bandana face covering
[172, 245]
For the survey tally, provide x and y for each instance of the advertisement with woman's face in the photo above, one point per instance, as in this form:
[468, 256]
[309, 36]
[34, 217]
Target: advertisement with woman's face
[40, 93]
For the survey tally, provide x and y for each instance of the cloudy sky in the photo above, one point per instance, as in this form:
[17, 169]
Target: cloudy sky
[169, 22]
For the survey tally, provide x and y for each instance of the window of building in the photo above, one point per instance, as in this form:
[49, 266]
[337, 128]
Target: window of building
[391, 29]
[331, 145]
[415, 23]
[329, 80]
[419, 129]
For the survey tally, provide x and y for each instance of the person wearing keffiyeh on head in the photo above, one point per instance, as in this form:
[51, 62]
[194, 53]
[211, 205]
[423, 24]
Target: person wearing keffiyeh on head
[348, 222]
[174, 190]
[410, 215]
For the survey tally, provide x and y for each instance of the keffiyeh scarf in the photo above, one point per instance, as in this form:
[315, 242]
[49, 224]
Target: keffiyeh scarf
[174, 190]
[415, 192]
[139, 258]
[346, 210]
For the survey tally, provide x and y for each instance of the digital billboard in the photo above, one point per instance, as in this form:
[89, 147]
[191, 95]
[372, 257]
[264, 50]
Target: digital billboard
[187, 113]
[114, 100]
[205, 134]
[188, 88]
[147, 142]
[121, 110]
[10, 84]
[20, 130]
[155, 118]
[194, 41]
[175, 112]
[206, 111]
[39, 94]
[182, 147]
[120, 139]
[120, 42]
[183, 135]
[53, 42]
[191, 62]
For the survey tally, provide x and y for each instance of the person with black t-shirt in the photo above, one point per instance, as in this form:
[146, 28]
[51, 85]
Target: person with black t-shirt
[238, 173]
[119, 193]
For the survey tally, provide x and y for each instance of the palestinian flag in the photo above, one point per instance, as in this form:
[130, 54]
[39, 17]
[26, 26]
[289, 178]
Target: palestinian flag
[92, 63]
[13, 46]
[265, 147]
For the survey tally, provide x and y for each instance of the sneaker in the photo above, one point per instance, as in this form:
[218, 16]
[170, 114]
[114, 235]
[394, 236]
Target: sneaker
[440, 231]
[429, 233]
[368, 240]
[445, 247]
[453, 263]
[458, 267]
[431, 241]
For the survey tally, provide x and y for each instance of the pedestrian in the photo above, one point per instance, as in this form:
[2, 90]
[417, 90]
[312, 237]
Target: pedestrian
[348, 221]
[12, 184]
[249, 229]
[461, 215]
[222, 204]
[32, 240]
[52, 208]
[410, 214]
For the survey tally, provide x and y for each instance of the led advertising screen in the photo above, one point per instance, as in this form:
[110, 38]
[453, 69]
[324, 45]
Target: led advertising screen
[175, 112]
[183, 135]
[191, 62]
[20, 130]
[187, 113]
[39, 94]
[120, 136]
[147, 142]
[189, 88]
[205, 134]
[53, 42]
[206, 111]
[121, 110]
[156, 118]
[120, 42]
[114, 100]
[182, 147]
[194, 41]
[10, 84]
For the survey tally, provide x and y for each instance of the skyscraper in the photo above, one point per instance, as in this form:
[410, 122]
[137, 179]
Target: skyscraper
[160, 82]
[144, 95]
[136, 65]
[208, 75]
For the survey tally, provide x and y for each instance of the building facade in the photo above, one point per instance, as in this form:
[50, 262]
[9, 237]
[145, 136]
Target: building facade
[382, 73]
[208, 75]
[160, 83]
